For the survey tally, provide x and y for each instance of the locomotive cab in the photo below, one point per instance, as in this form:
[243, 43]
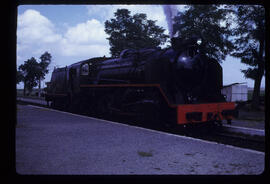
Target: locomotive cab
[85, 69]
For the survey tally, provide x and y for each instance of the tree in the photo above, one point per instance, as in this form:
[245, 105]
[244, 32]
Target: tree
[31, 72]
[19, 77]
[45, 60]
[211, 23]
[132, 32]
[250, 44]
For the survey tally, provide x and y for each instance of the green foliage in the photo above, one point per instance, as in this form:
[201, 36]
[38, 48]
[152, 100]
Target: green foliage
[42, 69]
[132, 32]
[45, 60]
[250, 39]
[19, 77]
[250, 44]
[211, 23]
[31, 72]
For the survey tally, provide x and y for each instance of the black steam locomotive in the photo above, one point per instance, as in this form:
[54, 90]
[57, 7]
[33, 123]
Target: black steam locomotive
[179, 85]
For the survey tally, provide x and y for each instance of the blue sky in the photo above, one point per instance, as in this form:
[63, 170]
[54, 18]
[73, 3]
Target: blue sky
[76, 32]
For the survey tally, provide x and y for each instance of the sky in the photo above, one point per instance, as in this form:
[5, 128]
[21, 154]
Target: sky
[71, 33]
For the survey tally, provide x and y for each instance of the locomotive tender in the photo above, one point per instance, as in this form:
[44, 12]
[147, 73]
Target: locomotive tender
[178, 85]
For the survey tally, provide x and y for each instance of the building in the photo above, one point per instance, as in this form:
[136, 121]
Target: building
[235, 92]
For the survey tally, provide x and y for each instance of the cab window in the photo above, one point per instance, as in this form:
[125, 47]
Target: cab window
[85, 69]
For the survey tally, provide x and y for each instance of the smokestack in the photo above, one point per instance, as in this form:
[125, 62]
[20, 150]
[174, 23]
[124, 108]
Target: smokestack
[170, 11]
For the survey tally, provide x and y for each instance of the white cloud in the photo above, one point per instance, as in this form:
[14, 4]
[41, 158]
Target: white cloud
[35, 28]
[85, 39]
[153, 12]
[106, 12]
[37, 34]
[83, 50]
[88, 32]
[101, 12]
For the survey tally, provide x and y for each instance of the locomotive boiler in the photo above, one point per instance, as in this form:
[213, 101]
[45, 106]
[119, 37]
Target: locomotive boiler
[178, 85]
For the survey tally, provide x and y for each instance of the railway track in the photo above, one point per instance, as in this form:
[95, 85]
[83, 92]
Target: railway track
[220, 135]
[240, 140]
[217, 134]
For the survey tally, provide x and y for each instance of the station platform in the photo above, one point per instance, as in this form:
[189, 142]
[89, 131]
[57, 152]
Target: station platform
[52, 142]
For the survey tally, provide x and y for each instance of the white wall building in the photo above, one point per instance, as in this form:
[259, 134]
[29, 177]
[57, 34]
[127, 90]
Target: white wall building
[235, 92]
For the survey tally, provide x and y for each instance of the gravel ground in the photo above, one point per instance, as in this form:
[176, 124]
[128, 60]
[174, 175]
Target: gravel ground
[51, 142]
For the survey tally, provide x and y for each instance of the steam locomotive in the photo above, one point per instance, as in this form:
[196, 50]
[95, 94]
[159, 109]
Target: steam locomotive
[177, 85]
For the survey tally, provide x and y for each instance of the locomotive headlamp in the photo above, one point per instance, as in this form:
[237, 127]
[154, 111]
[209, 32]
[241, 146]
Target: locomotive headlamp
[199, 41]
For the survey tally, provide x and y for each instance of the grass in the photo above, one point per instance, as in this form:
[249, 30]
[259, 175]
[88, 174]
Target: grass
[250, 92]
[248, 114]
